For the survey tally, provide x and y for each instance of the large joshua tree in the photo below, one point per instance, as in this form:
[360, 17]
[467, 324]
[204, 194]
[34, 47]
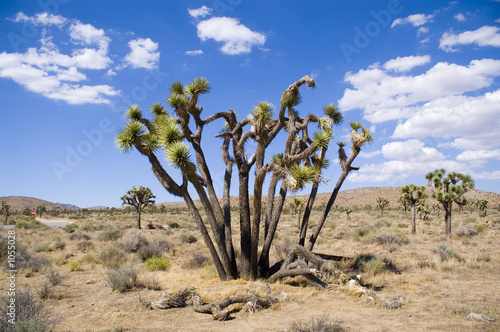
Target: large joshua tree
[140, 199]
[413, 196]
[180, 136]
[449, 188]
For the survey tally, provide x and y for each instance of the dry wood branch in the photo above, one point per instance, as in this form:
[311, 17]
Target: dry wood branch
[219, 309]
[184, 297]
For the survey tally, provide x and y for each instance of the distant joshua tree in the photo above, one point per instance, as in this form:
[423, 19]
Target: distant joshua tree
[139, 199]
[481, 204]
[449, 188]
[297, 205]
[40, 210]
[414, 196]
[382, 203]
[5, 210]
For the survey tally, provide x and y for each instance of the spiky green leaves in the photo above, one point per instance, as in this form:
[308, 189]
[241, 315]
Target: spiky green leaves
[359, 139]
[263, 111]
[177, 100]
[129, 136]
[413, 194]
[301, 175]
[134, 113]
[451, 187]
[290, 100]
[333, 113]
[168, 130]
[177, 87]
[323, 138]
[157, 110]
[178, 154]
[199, 85]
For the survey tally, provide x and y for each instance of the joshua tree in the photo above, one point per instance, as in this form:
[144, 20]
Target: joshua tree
[297, 205]
[382, 203]
[40, 210]
[448, 189]
[424, 210]
[414, 196]
[139, 199]
[358, 139]
[5, 210]
[180, 136]
[403, 202]
[481, 204]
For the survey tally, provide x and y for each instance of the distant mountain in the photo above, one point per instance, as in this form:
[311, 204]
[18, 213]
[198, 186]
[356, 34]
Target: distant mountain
[19, 203]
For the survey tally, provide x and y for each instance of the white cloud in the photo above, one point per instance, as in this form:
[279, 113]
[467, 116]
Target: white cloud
[469, 144]
[422, 30]
[383, 96]
[197, 52]
[368, 155]
[143, 54]
[495, 175]
[41, 19]
[459, 17]
[474, 119]
[484, 36]
[87, 34]
[497, 20]
[200, 12]
[402, 64]
[415, 20]
[235, 37]
[478, 155]
[412, 150]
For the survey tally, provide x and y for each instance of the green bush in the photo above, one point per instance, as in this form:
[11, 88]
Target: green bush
[85, 245]
[110, 234]
[446, 253]
[480, 228]
[75, 266]
[188, 238]
[32, 224]
[157, 264]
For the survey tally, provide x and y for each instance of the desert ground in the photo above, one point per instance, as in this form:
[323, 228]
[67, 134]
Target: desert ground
[443, 279]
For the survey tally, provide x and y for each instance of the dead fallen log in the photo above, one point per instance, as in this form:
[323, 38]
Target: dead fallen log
[219, 309]
[183, 298]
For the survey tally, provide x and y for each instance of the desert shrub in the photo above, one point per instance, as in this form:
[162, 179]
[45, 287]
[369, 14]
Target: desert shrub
[70, 228]
[391, 241]
[89, 258]
[30, 314]
[466, 232]
[480, 228]
[85, 245]
[110, 234]
[149, 250]
[113, 257]
[157, 264]
[75, 266]
[79, 236]
[31, 263]
[445, 253]
[188, 238]
[320, 324]
[122, 278]
[195, 261]
[370, 265]
[60, 245]
[32, 224]
[42, 247]
[173, 225]
[53, 277]
[60, 260]
[132, 240]
[4, 245]
[45, 291]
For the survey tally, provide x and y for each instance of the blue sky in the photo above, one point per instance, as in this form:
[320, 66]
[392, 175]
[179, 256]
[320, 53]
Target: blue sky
[422, 75]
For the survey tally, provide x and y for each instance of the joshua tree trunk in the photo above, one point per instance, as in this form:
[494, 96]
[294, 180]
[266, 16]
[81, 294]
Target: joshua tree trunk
[139, 217]
[447, 217]
[413, 222]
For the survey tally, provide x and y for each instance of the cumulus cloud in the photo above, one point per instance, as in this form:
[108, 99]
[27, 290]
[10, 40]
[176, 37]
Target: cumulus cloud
[44, 19]
[412, 150]
[402, 64]
[415, 20]
[143, 54]
[196, 52]
[47, 71]
[235, 37]
[200, 12]
[459, 17]
[385, 96]
[478, 156]
[484, 36]
[473, 119]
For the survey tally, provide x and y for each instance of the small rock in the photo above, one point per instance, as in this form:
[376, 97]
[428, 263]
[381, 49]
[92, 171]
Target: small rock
[90, 281]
